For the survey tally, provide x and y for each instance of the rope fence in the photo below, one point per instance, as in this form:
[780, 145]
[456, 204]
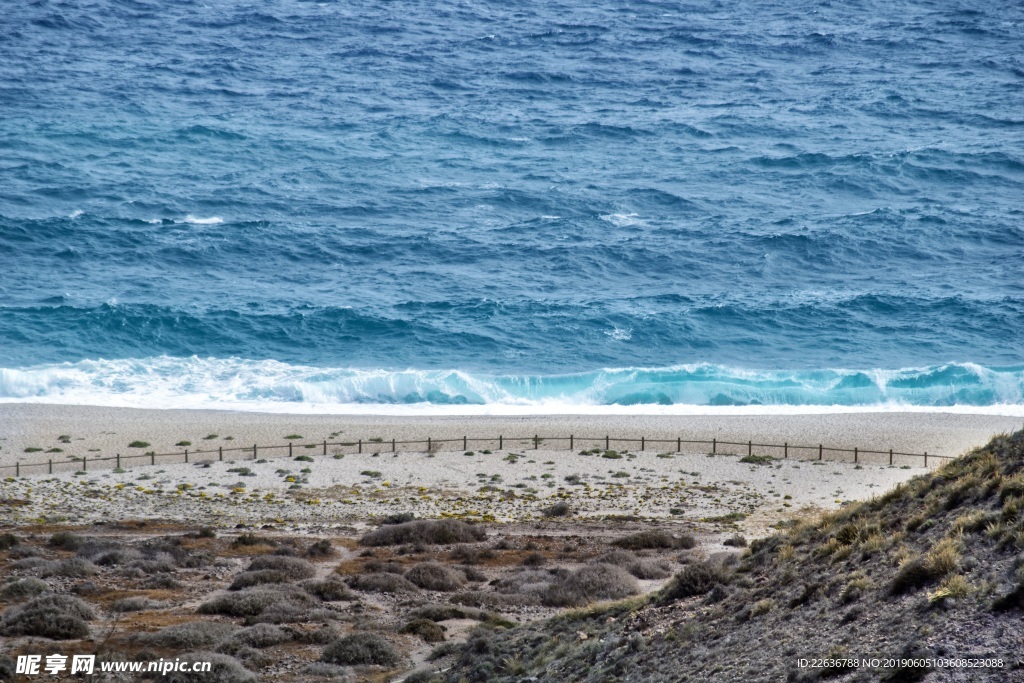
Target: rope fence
[818, 452]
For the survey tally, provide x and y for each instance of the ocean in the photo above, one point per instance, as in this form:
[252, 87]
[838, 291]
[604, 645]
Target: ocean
[481, 205]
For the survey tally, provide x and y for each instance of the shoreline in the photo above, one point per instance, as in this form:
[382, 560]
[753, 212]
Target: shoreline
[95, 431]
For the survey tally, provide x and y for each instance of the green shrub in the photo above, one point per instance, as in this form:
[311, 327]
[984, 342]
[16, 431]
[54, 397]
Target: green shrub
[361, 649]
[321, 548]
[328, 590]
[8, 541]
[559, 509]
[293, 437]
[183, 443]
[139, 444]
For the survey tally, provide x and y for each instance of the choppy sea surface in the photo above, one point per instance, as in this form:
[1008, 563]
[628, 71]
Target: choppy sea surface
[534, 204]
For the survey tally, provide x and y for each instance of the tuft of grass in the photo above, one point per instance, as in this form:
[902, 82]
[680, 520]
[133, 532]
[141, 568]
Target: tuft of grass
[32, 449]
[293, 437]
[183, 443]
[304, 458]
[210, 437]
[612, 455]
[736, 541]
[730, 518]
[758, 459]
[953, 587]
[139, 444]
[66, 540]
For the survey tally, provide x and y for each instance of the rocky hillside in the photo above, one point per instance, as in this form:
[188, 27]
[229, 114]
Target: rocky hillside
[932, 570]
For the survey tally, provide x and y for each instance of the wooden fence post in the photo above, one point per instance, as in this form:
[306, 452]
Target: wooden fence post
[428, 444]
[84, 467]
[820, 448]
[17, 468]
[254, 451]
[643, 444]
[855, 454]
[501, 443]
[714, 446]
[118, 461]
[536, 441]
[360, 445]
[571, 440]
[393, 449]
[926, 458]
[890, 456]
[679, 444]
[325, 446]
[750, 448]
[152, 457]
[220, 452]
[50, 462]
[289, 449]
[785, 450]
[464, 447]
[186, 457]
[607, 442]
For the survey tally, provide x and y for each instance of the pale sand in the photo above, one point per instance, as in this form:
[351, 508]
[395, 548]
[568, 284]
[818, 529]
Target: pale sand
[685, 488]
[102, 432]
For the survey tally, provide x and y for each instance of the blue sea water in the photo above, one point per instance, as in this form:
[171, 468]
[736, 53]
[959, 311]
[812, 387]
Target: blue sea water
[608, 203]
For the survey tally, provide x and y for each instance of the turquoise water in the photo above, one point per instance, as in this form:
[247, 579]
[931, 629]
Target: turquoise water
[714, 204]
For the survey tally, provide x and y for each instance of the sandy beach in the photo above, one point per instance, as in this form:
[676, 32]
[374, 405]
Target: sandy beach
[312, 491]
[102, 432]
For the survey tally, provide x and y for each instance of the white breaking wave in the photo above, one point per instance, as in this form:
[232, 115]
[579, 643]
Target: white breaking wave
[213, 220]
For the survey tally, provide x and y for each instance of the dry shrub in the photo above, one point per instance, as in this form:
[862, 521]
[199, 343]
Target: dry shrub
[697, 578]
[382, 583]
[134, 604]
[590, 583]
[66, 540]
[432, 576]
[381, 567]
[647, 540]
[258, 636]
[321, 548]
[189, 635]
[559, 509]
[397, 518]
[468, 554]
[224, 669]
[328, 590]
[258, 578]
[8, 541]
[361, 649]
[256, 602]
[641, 569]
[57, 617]
[446, 612]
[23, 588]
[294, 567]
[433, 532]
[425, 629]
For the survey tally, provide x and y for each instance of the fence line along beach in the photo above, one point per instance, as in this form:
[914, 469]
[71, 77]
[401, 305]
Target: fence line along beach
[40, 439]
